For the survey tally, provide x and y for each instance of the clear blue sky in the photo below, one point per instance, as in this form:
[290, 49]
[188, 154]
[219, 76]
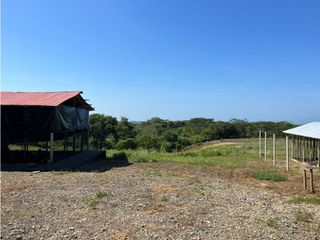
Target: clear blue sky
[258, 60]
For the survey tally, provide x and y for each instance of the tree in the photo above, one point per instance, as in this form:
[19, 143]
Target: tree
[101, 127]
[125, 129]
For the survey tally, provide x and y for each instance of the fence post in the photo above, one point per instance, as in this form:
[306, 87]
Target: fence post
[260, 152]
[265, 146]
[287, 153]
[274, 150]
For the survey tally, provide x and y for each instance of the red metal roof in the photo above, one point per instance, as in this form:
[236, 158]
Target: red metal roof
[52, 99]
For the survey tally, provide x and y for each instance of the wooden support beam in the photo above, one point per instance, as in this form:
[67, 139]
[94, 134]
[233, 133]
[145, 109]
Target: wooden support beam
[88, 143]
[81, 141]
[51, 147]
[311, 181]
[304, 179]
[74, 142]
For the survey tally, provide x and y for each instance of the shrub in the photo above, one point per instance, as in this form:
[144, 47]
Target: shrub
[129, 143]
[149, 142]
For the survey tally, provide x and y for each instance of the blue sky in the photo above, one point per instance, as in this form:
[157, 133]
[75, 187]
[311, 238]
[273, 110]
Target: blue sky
[258, 60]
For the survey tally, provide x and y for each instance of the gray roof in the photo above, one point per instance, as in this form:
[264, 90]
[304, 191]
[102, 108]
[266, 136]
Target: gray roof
[311, 130]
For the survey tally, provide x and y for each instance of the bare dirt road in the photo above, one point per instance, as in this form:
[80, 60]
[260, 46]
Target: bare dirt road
[148, 201]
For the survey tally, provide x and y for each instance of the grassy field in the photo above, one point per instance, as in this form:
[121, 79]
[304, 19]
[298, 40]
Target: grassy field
[231, 153]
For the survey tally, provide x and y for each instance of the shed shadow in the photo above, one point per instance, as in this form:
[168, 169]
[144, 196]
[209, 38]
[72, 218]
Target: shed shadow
[98, 164]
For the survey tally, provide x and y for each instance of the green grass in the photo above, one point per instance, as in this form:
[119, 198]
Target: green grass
[308, 200]
[101, 194]
[94, 201]
[228, 156]
[272, 223]
[243, 153]
[268, 174]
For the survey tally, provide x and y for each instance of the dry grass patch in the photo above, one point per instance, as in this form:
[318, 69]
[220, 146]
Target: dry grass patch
[303, 215]
[157, 208]
[165, 189]
[123, 235]
[15, 187]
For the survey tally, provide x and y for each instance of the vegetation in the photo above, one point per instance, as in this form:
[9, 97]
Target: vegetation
[156, 134]
[270, 175]
[303, 215]
[308, 200]
[272, 223]
[94, 201]
[230, 154]
[164, 198]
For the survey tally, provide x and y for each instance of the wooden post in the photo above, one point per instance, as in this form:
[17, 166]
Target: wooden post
[274, 150]
[304, 179]
[260, 151]
[74, 142]
[311, 181]
[64, 142]
[64, 145]
[318, 154]
[287, 153]
[88, 143]
[265, 146]
[51, 147]
[25, 149]
[81, 141]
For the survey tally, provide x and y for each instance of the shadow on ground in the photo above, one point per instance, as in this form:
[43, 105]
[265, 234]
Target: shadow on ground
[98, 164]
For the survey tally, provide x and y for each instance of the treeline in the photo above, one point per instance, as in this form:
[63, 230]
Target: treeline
[106, 132]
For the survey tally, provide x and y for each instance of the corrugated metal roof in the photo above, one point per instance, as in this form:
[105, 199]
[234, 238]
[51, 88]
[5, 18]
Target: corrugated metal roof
[311, 130]
[51, 99]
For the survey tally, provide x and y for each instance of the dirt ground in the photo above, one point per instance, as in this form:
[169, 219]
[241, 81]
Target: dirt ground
[153, 201]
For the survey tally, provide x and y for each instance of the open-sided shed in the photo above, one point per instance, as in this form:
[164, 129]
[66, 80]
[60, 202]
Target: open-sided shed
[43, 117]
[305, 148]
[306, 143]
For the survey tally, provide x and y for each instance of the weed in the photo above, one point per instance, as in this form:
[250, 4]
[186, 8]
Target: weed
[199, 190]
[164, 198]
[195, 180]
[19, 214]
[272, 223]
[303, 215]
[101, 194]
[94, 201]
[308, 200]
[270, 175]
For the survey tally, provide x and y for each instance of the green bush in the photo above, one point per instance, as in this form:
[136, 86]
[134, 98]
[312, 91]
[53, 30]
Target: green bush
[129, 143]
[149, 142]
